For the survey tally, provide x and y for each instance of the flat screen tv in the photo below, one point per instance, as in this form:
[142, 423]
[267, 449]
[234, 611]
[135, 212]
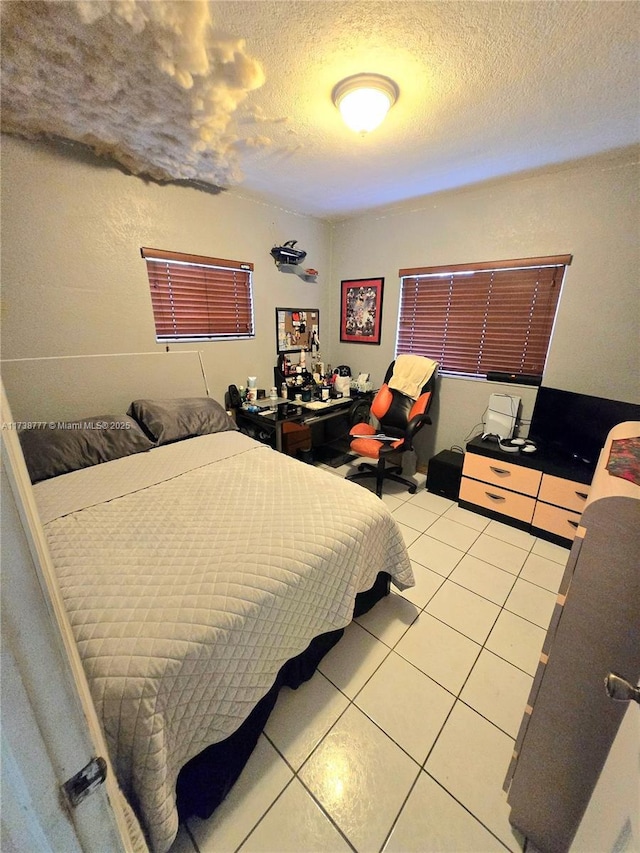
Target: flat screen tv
[575, 426]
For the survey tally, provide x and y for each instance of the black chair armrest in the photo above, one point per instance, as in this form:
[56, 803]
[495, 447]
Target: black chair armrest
[413, 427]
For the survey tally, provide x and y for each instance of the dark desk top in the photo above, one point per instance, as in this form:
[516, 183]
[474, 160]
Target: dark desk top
[555, 461]
[297, 410]
[265, 414]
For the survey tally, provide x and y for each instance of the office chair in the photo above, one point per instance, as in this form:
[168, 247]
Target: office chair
[400, 418]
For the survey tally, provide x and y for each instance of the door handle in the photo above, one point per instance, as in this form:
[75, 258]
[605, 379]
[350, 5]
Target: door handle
[620, 690]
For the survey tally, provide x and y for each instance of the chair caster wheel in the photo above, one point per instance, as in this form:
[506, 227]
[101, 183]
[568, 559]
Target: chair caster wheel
[412, 490]
[362, 467]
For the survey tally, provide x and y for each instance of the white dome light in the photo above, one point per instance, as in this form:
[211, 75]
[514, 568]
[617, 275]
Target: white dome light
[364, 100]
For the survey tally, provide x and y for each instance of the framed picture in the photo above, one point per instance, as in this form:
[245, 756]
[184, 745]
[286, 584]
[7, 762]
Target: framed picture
[297, 329]
[361, 310]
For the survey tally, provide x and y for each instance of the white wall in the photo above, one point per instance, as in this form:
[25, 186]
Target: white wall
[73, 281]
[588, 209]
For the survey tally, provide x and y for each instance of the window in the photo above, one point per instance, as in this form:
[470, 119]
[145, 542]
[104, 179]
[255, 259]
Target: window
[195, 298]
[477, 318]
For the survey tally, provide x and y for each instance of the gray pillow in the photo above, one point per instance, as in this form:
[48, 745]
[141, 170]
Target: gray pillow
[172, 420]
[58, 448]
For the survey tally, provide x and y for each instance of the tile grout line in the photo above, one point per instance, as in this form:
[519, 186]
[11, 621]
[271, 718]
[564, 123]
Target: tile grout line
[458, 699]
[462, 806]
[397, 817]
[483, 646]
[502, 608]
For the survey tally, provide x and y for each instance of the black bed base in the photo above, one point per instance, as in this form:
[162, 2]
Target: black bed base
[206, 780]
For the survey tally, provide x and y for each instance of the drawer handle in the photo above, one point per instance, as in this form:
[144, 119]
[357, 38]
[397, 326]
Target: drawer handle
[495, 497]
[582, 495]
[499, 470]
[573, 523]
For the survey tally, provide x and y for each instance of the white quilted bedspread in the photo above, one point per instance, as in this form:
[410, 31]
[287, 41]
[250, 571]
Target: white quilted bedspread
[188, 585]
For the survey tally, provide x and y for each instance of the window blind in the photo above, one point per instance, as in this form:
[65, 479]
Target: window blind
[199, 298]
[477, 318]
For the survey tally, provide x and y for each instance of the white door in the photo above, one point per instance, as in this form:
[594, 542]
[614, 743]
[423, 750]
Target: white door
[611, 823]
[50, 729]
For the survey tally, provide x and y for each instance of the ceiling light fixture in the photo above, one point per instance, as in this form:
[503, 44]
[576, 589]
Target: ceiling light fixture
[364, 100]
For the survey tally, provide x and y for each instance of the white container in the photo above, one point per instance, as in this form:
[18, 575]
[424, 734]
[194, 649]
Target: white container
[342, 384]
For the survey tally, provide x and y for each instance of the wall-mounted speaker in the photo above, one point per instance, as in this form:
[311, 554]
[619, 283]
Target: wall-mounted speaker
[517, 378]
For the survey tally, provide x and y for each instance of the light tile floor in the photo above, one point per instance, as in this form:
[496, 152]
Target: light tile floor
[401, 740]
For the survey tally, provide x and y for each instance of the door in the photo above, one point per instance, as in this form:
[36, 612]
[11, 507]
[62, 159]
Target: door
[611, 823]
[50, 730]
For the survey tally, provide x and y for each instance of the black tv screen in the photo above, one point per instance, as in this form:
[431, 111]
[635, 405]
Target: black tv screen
[575, 426]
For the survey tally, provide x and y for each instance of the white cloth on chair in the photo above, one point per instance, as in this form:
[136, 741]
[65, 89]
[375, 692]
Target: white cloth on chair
[410, 373]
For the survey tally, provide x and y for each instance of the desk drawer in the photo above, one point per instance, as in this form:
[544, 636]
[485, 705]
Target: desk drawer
[556, 520]
[561, 492]
[504, 474]
[295, 437]
[500, 500]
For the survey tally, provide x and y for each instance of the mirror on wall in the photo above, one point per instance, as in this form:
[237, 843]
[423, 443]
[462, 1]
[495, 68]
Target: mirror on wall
[297, 329]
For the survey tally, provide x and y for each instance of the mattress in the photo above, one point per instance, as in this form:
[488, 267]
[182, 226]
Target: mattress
[190, 574]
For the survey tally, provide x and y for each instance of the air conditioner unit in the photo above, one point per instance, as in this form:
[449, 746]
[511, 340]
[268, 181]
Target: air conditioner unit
[502, 416]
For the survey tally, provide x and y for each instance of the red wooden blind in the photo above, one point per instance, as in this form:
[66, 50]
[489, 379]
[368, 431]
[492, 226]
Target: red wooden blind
[477, 318]
[199, 298]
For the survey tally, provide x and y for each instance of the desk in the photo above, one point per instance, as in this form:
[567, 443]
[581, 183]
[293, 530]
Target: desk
[328, 421]
[265, 425]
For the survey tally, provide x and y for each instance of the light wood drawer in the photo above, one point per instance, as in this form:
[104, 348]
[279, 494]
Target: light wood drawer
[566, 493]
[504, 474]
[556, 520]
[500, 500]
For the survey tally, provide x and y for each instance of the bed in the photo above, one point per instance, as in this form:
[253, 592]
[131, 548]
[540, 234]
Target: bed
[200, 570]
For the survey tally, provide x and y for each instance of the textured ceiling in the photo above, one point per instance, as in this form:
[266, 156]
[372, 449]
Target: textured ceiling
[486, 89]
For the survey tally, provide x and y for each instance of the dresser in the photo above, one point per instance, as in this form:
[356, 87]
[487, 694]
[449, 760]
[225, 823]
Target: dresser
[569, 722]
[540, 493]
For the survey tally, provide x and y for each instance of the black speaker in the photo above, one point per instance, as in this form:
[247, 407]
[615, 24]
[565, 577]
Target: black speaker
[517, 378]
[444, 473]
[234, 397]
